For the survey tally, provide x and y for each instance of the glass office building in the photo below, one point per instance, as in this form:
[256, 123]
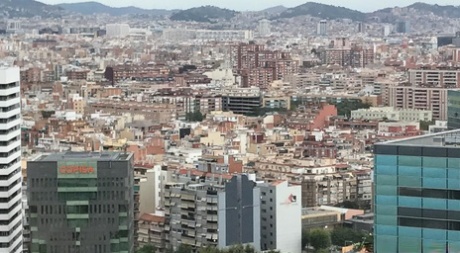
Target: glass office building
[81, 202]
[417, 194]
[453, 109]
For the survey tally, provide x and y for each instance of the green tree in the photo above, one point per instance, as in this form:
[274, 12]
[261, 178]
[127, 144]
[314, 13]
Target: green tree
[346, 236]
[305, 238]
[147, 249]
[184, 249]
[425, 125]
[194, 116]
[209, 249]
[320, 239]
[345, 107]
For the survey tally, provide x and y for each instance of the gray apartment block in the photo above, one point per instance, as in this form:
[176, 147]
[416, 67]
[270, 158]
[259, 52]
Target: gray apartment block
[81, 202]
[202, 212]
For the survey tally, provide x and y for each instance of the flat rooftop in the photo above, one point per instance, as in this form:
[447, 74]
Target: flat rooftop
[87, 156]
[442, 139]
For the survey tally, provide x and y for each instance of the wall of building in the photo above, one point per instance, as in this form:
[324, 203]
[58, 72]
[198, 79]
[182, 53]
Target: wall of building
[288, 218]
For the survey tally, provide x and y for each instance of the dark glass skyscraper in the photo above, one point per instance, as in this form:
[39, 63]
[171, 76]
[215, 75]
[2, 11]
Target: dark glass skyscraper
[417, 194]
[81, 202]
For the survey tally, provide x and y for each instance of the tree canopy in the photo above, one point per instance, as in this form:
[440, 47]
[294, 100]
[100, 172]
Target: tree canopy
[320, 239]
[194, 116]
[147, 249]
[345, 107]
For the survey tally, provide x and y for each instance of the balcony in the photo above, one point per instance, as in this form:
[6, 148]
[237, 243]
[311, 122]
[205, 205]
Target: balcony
[10, 90]
[10, 124]
[10, 102]
[11, 113]
[11, 157]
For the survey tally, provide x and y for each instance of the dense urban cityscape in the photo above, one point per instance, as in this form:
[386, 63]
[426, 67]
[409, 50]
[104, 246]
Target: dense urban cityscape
[309, 129]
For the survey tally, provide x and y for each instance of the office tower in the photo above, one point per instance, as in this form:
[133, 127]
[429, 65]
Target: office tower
[386, 30]
[10, 161]
[360, 27]
[281, 217]
[81, 202]
[417, 194]
[322, 28]
[453, 109]
[264, 27]
[245, 101]
[403, 27]
[456, 40]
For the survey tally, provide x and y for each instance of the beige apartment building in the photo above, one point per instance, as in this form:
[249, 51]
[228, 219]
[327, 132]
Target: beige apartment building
[445, 78]
[418, 98]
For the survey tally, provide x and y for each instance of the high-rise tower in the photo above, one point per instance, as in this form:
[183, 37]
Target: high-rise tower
[417, 194]
[81, 202]
[10, 161]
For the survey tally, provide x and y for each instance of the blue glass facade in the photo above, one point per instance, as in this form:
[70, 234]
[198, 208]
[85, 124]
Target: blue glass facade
[453, 109]
[417, 198]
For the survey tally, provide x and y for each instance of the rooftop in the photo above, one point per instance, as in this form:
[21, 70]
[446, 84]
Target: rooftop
[87, 156]
[442, 139]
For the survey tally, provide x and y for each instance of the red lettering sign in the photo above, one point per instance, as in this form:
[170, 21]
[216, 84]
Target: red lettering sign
[76, 169]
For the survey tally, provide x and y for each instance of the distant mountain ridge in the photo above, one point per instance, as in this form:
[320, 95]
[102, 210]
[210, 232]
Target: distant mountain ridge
[323, 11]
[90, 8]
[30, 8]
[204, 14]
[27, 8]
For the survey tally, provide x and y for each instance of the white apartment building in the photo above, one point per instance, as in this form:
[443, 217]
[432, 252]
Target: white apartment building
[10, 161]
[390, 113]
[207, 35]
[281, 217]
[264, 27]
[117, 30]
[150, 189]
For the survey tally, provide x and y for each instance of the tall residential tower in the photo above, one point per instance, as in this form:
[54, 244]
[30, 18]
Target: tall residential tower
[10, 161]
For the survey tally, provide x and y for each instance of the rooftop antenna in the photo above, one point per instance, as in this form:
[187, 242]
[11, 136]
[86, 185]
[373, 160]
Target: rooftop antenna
[125, 148]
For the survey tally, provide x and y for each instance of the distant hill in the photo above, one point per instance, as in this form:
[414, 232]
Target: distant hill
[203, 14]
[438, 10]
[390, 15]
[28, 8]
[89, 8]
[274, 10]
[323, 11]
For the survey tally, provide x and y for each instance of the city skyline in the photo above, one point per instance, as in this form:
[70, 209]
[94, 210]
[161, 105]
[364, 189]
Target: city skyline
[240, 5]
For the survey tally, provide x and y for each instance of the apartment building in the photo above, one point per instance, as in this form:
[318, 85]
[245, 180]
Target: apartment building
[435, 77]
[281, 217]
[355, 57]
[151, 231]
[259, 67]
[390, 113]
[418, 98]
[11, 216]
[202, 103]
[212, 211]
[174, 34]
[117, 30]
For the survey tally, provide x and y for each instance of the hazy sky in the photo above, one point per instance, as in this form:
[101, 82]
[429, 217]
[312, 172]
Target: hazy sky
[242, 5]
